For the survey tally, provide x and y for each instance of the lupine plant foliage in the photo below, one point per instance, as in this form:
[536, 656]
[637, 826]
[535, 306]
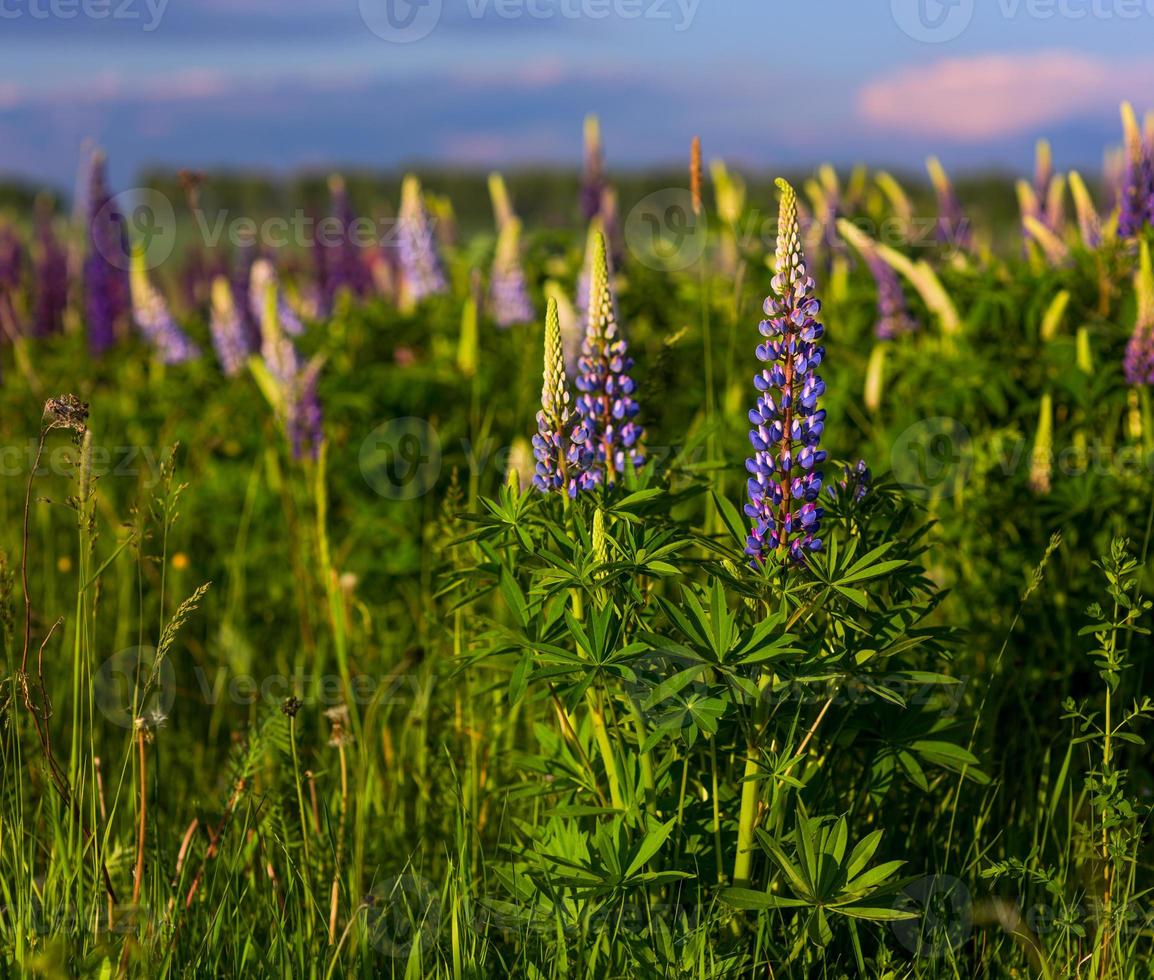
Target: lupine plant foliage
[563, 651]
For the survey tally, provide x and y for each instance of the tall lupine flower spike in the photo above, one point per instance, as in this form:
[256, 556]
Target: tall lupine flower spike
[11, 279]
[106, 291]
[784, 482]
[606, 400]
[502, 206]
[593, 182]
[344, 267]
[953, 226]
[261, 275]
[508, 291]
[1089, 223]
[1139, 362]
[152, 317]
[51, 274]
[585, 280]
[561, 443]
[422, 272]
[1137, 198]
[894, 318]
[1043, 168]
[230, 339]
[294, 385]
[572, 332]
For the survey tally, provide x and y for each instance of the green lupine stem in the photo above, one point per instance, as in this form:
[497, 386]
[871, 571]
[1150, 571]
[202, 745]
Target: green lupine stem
[749, 793]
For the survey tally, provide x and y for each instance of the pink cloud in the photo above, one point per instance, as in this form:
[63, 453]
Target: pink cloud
[989, 96]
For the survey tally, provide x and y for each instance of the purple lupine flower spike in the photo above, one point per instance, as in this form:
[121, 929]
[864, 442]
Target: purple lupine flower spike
[344, 267]
[1137, 199]
[606, 400]
[784, 482]
[422, 271]
[508, 291]
[106, 292]
[298, 403]
[304, 420]
[262, 273]
[230, 339]
[953, 226]
[894, 318]
[561, 443]
[11, 281]
[51, 275]
[1138, 365]
[151, 315]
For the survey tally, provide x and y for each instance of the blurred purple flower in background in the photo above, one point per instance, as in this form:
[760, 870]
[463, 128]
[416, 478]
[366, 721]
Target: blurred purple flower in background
[106, 291]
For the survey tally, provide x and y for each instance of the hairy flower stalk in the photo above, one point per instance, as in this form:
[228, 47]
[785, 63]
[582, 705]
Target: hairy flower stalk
[1138, 364]
[106, 290]
[1137, 195]
[784, 482]
[561, 443]
[230, 340]
[152, 317]
[422, 271]
[606, 400]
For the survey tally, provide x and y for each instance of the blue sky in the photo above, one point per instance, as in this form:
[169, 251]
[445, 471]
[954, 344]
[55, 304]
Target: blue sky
[290, 84]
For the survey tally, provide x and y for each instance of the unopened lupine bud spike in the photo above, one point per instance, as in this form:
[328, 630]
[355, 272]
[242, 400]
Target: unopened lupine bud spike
[560, 447]
[1042, 457]
[1089, 224]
